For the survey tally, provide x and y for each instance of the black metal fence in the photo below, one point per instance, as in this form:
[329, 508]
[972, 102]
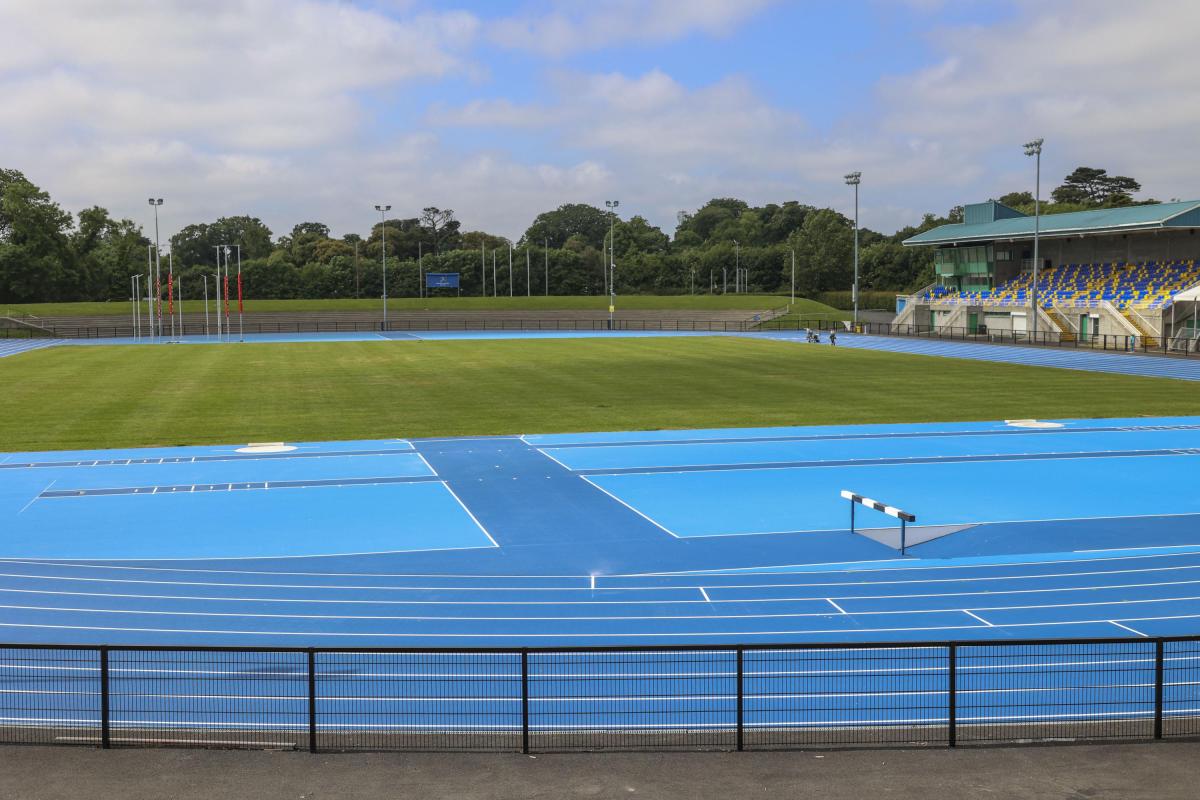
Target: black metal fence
[640, 698]
[1184, 346]
[401, 325]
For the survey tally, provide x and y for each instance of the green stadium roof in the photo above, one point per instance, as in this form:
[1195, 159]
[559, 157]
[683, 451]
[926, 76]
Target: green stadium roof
[1077, 223]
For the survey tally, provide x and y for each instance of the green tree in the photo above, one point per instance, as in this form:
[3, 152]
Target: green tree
[572, 219]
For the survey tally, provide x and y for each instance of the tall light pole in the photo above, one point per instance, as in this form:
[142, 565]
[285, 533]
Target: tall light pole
[1034, 149]
[156, 202]
[612, 259]
[383, 256]
[853, 179]
[546, 253]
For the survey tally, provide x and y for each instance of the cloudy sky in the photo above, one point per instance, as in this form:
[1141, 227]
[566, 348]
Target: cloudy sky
[295, 110]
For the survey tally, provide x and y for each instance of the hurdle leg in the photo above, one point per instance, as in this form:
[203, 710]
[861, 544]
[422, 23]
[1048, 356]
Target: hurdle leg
[902, 536]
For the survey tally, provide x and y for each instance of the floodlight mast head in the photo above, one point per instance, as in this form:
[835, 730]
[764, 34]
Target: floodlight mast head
[381, 209]
[155, 202]
[853, 179]
[1034, 148]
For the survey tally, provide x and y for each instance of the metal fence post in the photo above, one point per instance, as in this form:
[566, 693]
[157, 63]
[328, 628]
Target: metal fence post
[105, 724]
[525, 702]
[1158, 689]
[952, 696]
[312, 701]
[741, 705]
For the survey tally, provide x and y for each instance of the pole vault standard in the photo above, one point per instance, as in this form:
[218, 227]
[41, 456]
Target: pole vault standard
[891, 511]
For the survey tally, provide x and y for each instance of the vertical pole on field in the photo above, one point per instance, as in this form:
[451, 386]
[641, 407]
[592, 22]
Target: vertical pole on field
[483, 264]
[217, 291]
[241, 326]
[420, 270]
[179, 297]
[133, 301]
[1158, 689]
[510, 272]
[228, 327]
[793, 276]
[149, 297]
[205, 304]
[105, 726]
[546, 253]
[525, 702]
[852, 516]
[171, 290]
[493, 272]
[903, 532]
[312, 701]
[741, 700]
[528, 290]
[952, 695]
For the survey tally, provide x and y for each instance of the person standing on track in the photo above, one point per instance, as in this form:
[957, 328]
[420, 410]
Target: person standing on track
[833, 337]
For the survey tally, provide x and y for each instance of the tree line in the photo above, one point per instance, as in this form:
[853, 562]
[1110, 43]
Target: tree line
[50, 255]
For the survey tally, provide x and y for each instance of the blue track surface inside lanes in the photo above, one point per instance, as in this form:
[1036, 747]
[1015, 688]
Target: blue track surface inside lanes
[714, 537]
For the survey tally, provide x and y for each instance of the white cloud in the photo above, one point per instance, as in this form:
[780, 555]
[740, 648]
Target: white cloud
[572, 26]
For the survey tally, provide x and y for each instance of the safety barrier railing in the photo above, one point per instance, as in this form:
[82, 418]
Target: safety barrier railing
[195, 330]
[735, 697]
[1043, 338]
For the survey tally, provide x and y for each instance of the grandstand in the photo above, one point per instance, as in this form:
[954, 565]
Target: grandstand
[1122, 272]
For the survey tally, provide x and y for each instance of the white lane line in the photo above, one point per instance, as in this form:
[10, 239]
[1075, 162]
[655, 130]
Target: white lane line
[704, 594]
[196, 570]
[592, 578]
[555, 460]
[835, 605]
[981, 619]
[1126, 627]
[668, 531]
[34, 499]
[428, 466]
[587, 617]
[469, 514]
[668, 588]
[568, 636]
[783, 569]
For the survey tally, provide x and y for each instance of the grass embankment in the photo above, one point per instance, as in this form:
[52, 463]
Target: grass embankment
[77, 397]
[748, 302]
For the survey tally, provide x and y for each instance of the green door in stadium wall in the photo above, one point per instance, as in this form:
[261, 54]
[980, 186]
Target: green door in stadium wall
[972, 322]
[1083, 326]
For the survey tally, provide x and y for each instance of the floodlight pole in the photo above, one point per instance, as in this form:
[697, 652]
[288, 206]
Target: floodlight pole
[1034, 148]
[546, 253]
[205, 277]
[217, 289]
[420, 269]
[383, 209]
[612, 259]
[853, 179]
[495, 291]
[510, 272]
[483, 264]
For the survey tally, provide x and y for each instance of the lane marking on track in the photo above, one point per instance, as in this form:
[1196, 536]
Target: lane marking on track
[704, 594]
[981, 619]
[835, 605]
[667, 530]
[474, 519]
[1126, 627]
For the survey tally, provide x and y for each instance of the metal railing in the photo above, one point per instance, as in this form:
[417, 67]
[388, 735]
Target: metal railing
[1154, 345]
[198, 330]
[736, 697]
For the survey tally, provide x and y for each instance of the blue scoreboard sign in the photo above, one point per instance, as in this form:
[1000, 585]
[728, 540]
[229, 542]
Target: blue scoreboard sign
[441, 280]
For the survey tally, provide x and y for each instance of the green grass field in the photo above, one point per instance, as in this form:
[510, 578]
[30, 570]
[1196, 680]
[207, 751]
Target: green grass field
[751, 302]
[79, 397]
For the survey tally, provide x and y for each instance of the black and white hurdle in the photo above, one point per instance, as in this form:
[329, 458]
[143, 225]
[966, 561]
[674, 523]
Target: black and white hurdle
[904, 516]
